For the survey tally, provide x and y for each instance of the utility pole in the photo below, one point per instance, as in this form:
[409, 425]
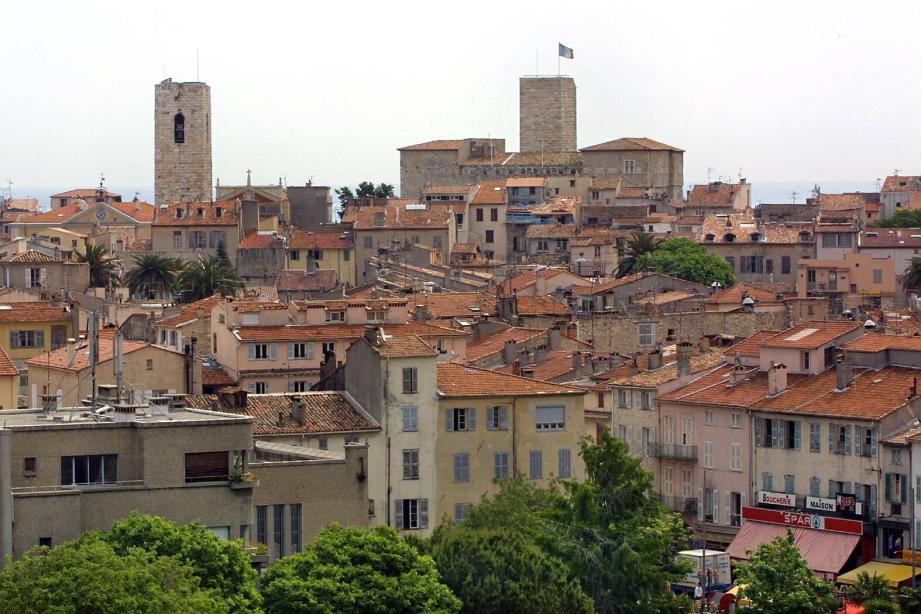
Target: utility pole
[93, 340]
[119, 366]
[703, 558]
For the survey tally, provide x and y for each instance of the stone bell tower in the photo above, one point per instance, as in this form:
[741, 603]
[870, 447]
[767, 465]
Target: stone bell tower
[182, 142]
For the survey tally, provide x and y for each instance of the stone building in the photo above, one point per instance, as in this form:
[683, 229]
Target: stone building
[310, 205]
[547, 114]
[182, 142]
[643, 162]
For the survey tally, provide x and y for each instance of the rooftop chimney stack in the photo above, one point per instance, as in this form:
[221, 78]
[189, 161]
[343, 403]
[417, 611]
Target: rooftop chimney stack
[297, 411]
[844, 373]
[684, 358]
[777, 378]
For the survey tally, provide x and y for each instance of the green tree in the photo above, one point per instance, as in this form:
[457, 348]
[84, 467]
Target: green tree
[777, 580]
[638, 245]
[153, 275]
[102, 265]
[222, 257]
[345, 196]
[910, 599]
[869, 588]
[221, 565]
[912, 279]
[498, 572]
[902, 218]
[680, 257]
[203, 277]
[383, 190]
[356, 570]
[90, 576]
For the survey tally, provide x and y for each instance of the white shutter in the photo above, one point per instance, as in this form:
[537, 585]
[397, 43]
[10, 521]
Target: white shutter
[398, 514]
[290, 351]
[728, 508]
[251, 351]
[716, 506]
[273, 351]
[700, 504]
[42, 277]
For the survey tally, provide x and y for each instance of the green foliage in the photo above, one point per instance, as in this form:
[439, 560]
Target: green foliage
[777, 580]
[205, 277]
[869, 588]
[680, 257]
[221, 565]
[153, 274]
[638, 245]
[345, 195]
[102, 265]
[910, 599]
[903, 218]
[912, 279]
[497, 572]
[90, 576]
[881, 606]
[356, 570]
[368, 189]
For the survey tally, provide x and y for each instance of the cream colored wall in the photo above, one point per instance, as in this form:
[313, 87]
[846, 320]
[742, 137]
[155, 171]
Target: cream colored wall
[333, 259]
[26, 353]
[161, 238]
[476, 232]
[9, 391]
[384, 237]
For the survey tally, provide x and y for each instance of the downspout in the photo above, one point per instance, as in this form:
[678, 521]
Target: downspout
[386, 422]
[514, 436]
[6, 495]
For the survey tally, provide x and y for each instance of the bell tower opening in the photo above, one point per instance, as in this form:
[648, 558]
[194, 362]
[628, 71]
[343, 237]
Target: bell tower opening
[179, 128]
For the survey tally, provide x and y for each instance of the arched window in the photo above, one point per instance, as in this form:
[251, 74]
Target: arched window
[729, 237]
[179, 128]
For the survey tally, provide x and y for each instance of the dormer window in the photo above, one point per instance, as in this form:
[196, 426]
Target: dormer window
[755, 237]
[729, 237]
[219, 212]
[179, 128]
[200, 212]
[710, 238]
[178, 213]
[805, 236]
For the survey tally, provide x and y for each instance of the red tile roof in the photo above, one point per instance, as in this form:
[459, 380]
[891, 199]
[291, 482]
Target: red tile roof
[716, 194]
[403, 346]
[811, 335]
[324, 412]
[189, 313]
[457, 380]
[526, 280]
[877, 342]
[259, 240]
[439, 145]
[749, 347]
[6, 364]
[190, 214]
[216, 377]
[84, 193]
[327, 332]
[902, 183]
[320, 239]
[632, 144]
[540, 305]
[292, 281]
[38, 311]
[399, 213]
[891, 237]
[735, 294]
[142, 212]
[526, 182]
[32, 256]
[714, 389]
[490, 193]
[455, 304]
[493, 344]
[59, 359]
[26, 204]
[607, 183]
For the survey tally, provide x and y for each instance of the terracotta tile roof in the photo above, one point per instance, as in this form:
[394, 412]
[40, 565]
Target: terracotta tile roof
[289, 280]
[540, 306]
[494, 343]
[32, 256]
[811, 335]
[632, 144]
[216, 377]
[877, 342]
[891, 237]
[403, 346]
[664, 298]
[457, 380]
[872, 395]
[550, 231]
[6, 364]
[749, 347]
[59, 359]
[847, 200]
[189, 313]
[327, 332]
[714, 389]
[256, 306]
[632, 193]
[399, 213]
[824, 227]
[526, 280]
[558, 363]
[490, 193]
[324, 412]
[38, 311]
[439, 145]
[668, 372]
[259, 240]
[526, 182]
[84, 193]
[903, 437]
[453, 190]
[715, 194]
[455, 304]
[320, 239]
[735, 294]
[607, 183]
[792, 232]
[607, 286]
[902, 183]
[26, 204]
[139, 210]
[190, 214]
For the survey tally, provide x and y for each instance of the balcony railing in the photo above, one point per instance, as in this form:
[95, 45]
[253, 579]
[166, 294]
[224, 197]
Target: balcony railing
[672, 451]
[685, 505]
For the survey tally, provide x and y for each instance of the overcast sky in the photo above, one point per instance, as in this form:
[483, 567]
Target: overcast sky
[786, 91]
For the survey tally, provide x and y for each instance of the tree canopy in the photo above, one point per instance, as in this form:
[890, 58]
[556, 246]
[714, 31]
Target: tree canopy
[88, 575]
[204, 277]
[153, 274]
[357, 570]
[102, 265]
[680, 257]
[777, 580]
[902, 218]
[345, 194]
[638, 245]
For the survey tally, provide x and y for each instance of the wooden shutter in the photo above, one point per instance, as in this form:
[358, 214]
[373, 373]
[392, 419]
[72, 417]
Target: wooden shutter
[449, 420]
[273, 351]
[290, 351]
[423, 513]
[251, 351]
[471, 419]
[398, 514]
[206, 466]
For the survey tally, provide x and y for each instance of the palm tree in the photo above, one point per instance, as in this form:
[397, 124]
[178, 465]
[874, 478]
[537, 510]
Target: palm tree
[102, 265]
[869, 588]
[204, 277]
[153, 274]
[912, 279]
[638, 244]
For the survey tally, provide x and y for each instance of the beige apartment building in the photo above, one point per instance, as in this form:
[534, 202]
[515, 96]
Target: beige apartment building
[87, 195]
[188, 324]
[856, 280]
[322, 249]
[34, 270]
[486, 220]
[193, 229]
[643, 162]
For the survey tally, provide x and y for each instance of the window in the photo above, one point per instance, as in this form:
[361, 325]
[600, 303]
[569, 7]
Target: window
[411, 464]
[207, 467]
[89, 469]
[460, 511]
[216, 237]
[262, 522]
[179, 128]
[44, 541]
[479, 214]
[177, 239]
[804, 360]
[315, 254]
[150, 364]
[500, 464]
[735, 457]
[35, 278]
[369, 242]
[735, 420]
[542, 245]
[219, 212]
[335, 316]
[767, 481]
[896, 456]
[490, 236]
[346, 255]
[789, 484]
[27, 339]
[412, 514]
[329, 347]
[839, 438]
[629, 167]
[532, 191]
[708, 454]
[261, 351]
[29, 465]
[536, 465]
[623, 398]
[896, 487]
[497, 418]
[300, 351]
[462, 467]
[410, 380]
[323, 443]
[814, 487]
[461, 419]
[732, 262]
[815, 436]
[494, 215]
[258, 387]
[278, 512]
[877, 276]
[436, 242]
[551, 418]
[647, 334]
[597, 251]
[708, 417]
[298, 385]
[646, 399]
[770, 433]
[565, 468]
[296, 511]
[600, 400]
[197, 238]
[410, 418]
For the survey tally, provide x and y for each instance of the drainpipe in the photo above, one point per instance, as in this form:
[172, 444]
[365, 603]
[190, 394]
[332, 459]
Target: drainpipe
[6, 495]
[514, 436]
[385, 421]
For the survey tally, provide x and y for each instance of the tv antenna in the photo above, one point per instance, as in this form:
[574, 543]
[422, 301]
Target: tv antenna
[794, 194]
[896, 172]
[9, 188]
[879, 182]
[709, 173]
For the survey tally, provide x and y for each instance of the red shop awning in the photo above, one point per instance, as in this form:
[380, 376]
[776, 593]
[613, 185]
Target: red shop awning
[824, 551]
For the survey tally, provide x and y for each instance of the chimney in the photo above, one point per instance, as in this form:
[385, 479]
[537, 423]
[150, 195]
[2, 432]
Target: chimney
[281, 420]
[576, 361]
[844, 374]
[777, 378]
[704, 344]
[553, 338]
[684, 359]
[516, 367]
[297, 411]
[510, 352]
[540, 282]
[655, 359]
[71, 349]
[738, 374]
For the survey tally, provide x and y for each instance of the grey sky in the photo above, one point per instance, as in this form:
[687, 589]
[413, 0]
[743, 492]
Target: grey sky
[797, 91]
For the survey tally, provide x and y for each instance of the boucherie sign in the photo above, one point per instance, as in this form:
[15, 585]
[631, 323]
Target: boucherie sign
[766, 497]
[803, 521]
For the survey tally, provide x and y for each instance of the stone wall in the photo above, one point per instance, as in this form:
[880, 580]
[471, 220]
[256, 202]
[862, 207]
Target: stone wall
[309, 205]
[420, 167]
[547, 114]
[182, 171]
[662, 170]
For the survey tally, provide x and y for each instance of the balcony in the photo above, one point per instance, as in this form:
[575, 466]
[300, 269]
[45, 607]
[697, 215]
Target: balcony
[672, 451]
[684, 505]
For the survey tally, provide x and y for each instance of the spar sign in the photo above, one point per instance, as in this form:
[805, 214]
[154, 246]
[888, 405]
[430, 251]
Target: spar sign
[803, 521]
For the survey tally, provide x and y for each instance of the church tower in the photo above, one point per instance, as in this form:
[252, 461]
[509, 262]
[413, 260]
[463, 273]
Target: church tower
[182, 142]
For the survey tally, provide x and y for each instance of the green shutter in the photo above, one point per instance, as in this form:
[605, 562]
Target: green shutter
[888, 487]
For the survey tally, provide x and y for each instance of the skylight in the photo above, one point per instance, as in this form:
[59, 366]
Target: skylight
[801, 334]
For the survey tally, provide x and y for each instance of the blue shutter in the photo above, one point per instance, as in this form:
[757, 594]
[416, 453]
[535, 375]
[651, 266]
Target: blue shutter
[904, 482]
[310, 350]
[759, 431]
[873, 437]
[872, 500]
[273, 351]
[449, 420]
[832, 430]
[490, 412]
[503, 418]
[398, 514]
[888, 487]
[40, 339]
[796, 434]
[847, 439]
[290, 351]
[471, 419]
[251, 351]
[14, 339]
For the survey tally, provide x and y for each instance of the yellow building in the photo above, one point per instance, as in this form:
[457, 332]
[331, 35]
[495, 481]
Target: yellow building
[28, 329]
[331, 249]
[9, 382]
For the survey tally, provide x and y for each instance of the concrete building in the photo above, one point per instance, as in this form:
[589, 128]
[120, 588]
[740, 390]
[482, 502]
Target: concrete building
[193, 229]
[310, 205]
[35, 270]
[897, 193]
[718, 197]
[857, 280]
[547, 114]
[323, 248]
[182, 142]
[29, 329]
[900, 244]
[486, 219]
[9, 382]
[188, 324]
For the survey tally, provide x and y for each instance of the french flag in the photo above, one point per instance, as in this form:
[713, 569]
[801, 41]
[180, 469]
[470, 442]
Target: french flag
[566, 52]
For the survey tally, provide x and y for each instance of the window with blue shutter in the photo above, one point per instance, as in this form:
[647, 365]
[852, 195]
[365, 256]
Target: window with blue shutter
[814, 487]
[767, 481]
[536, 463]
[501, 465]
[797, 435]
[759, 431]
[462, 467]
[410, 418]
[565, 463]
[815, 438]
[847, 439]
[789, 484]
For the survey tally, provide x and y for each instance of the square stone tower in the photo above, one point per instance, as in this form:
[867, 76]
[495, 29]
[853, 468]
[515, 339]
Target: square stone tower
[182, 142]
[547, 114]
